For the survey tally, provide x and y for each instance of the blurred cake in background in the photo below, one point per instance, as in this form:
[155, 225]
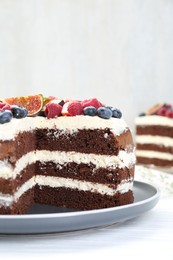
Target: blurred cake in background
[154, 136]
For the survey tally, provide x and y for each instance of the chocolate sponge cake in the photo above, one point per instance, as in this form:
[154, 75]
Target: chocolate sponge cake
[79, 161]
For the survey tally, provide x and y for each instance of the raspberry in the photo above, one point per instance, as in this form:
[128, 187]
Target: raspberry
[72, 108]
[53, 109]
[168, 106]
[92, 102]
[162, 111]
[169, 113]
[4, 106]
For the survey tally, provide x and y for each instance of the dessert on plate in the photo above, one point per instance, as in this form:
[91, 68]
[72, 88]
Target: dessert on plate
[77, 154]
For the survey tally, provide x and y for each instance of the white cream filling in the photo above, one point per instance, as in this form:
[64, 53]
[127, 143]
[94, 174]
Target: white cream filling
[153, 154]
[154, 120]
[6, 200]
[69, 124]
[61, 158]
[151, 139]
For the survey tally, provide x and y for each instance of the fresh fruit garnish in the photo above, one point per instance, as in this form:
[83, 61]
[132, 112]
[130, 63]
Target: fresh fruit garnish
[165, 111]
[19, 112]
[168, 106]
[142, 114]
[169, 113]
[104, 112]
[33, 104]
[162, 111]
[116, 113]
[46, 100]
[53, 109]
[5, 116]
[72, 108]
[4, 106]
[153, 110]
[90, 111]
[92, 102]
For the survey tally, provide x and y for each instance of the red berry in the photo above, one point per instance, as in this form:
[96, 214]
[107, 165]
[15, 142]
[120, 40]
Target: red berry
[162, 111]
[53, 109]
[92, 102]
[168, 106]
[169, 113]
[72, 108]
[5, 106]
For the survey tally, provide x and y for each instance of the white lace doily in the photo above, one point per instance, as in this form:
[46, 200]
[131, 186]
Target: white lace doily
[160, 178]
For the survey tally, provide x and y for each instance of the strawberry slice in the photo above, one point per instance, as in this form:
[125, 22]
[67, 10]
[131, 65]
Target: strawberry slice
[72, 108]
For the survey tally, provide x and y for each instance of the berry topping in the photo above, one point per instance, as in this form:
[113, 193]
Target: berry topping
[92, 102]
[116, 113]
[4, 106]
[104, 112]
[90, 111]
[53, 109]
[162, 111]
[19, 112]
[169, 113]
[142, 114]
[72, 108]
[5, 116]
[153, 110]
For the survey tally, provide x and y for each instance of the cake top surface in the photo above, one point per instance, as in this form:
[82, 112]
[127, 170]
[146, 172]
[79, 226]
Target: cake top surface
[159, 114]
[67, 115]
[70, 124]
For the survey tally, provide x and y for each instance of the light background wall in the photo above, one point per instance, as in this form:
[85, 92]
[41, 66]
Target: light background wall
[120, 51]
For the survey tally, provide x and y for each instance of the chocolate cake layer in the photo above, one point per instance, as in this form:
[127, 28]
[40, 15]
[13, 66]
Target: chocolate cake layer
[84, 141]
[21, 206]
[154, 161]
[9, 186]
[14, 149]
[154, 130]
[155, 147]
[83, 200]
[84, 172]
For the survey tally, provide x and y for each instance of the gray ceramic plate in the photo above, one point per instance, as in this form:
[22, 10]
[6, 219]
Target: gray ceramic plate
[45, 219]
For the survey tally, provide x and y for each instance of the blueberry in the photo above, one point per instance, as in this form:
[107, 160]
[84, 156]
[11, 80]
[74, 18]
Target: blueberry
[116, 113]
[5, 116]
[19, 112]
[104, 112]
[90, 111]
[142, 114]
